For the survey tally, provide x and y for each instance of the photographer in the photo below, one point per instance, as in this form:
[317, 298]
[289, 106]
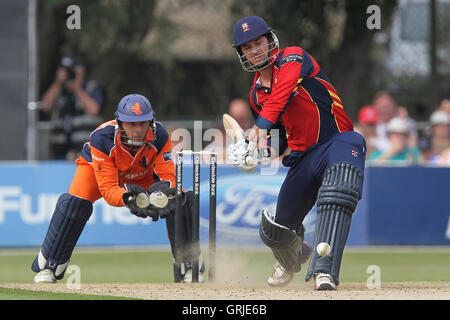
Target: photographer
[75, 105]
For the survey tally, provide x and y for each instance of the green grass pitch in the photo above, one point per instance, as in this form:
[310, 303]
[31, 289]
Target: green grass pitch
[154, 265]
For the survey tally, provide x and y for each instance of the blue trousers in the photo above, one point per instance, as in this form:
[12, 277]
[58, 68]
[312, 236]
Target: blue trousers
[298, 193]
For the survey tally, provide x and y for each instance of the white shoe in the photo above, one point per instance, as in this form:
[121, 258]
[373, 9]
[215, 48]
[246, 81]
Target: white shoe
[45, 276]
[324, 282]
[280, 277]
[188, 277]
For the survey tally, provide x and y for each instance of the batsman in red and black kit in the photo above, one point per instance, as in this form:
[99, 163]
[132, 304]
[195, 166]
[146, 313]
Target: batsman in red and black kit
[291, 93]
[124, 158]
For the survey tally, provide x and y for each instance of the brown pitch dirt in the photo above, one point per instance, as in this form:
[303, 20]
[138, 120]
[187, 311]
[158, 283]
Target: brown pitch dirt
[232, 291]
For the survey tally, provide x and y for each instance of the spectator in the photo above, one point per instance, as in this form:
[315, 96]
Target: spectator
[413, 140]
[398, 151]
[387, 110]
[75, 105]
[444, 106]
[444, 160]
[367, 127]
[440, 135]
[385, 105]
[240, 111]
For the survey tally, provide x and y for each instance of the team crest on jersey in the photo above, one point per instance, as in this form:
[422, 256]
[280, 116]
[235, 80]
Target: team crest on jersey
[245, 27]
[354, 153]
[167, 156]
[144, 162]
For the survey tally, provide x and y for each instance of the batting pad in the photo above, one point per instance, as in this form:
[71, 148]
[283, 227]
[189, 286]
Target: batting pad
[336, 202]
[68, 221]
[284, 243]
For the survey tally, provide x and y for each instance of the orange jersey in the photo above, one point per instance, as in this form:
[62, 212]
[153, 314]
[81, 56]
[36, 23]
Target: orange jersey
[114, 165]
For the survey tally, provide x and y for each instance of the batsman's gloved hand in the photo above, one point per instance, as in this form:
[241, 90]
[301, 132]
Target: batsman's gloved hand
[265, 155]
[244, 155]
[156, 189]
[129, 199]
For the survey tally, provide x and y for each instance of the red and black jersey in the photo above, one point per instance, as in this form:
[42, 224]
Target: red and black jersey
[301, 100]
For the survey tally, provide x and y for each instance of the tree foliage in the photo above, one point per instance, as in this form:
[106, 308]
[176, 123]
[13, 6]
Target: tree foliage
[334, 32]
[126, 46]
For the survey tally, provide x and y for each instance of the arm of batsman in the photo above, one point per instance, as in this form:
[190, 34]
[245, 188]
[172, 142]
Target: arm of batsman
[244, 155]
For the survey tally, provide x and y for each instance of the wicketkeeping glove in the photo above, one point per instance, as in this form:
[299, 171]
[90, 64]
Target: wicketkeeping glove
[129, 199]
[162, 193]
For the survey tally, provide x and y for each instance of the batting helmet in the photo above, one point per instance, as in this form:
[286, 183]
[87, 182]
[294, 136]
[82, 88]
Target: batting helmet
[250, 28]
[134, 108]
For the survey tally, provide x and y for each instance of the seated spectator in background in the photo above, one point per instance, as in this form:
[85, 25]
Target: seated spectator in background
[75, 105]
[445, 106]
[387, 110]
[413, 140]
[440, 136]
[367, 127]
[240, 111]
[444, 160]
[398, 151]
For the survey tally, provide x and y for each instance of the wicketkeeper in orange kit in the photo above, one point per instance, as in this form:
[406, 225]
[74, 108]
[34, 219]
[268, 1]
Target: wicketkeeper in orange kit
[125, 159]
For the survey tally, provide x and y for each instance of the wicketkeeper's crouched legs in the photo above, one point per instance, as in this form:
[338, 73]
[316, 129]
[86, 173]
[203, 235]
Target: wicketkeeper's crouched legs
[188, 248]
[336, 202]
[68, 220]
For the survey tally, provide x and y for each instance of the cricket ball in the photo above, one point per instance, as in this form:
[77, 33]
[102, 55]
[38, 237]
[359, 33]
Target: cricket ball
[323, 249]
[142, 200]
[159, 199]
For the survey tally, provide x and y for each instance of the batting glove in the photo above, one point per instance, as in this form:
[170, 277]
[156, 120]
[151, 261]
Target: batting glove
[264, 156]
[244, 155]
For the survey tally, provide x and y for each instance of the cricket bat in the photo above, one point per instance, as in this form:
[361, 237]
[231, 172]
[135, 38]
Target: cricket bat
[235, 132]
[232, 128]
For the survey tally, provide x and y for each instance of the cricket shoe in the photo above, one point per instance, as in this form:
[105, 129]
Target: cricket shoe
[324, 282]
[45, 276]
[280, 276]
[188, 277]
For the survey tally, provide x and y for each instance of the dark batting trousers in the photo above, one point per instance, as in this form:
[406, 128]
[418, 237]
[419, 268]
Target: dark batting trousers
[298, 193]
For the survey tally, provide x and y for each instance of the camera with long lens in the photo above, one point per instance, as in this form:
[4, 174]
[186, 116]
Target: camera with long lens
[70, 73]
[69, 64]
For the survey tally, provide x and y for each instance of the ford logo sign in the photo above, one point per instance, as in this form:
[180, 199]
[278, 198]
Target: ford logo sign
[240, 200]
